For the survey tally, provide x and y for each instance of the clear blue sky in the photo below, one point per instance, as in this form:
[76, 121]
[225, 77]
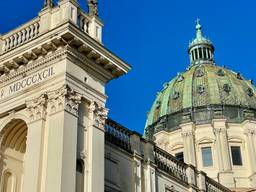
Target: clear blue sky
[152, 36]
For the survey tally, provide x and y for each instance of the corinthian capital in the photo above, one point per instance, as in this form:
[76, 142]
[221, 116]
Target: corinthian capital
[219, 130]
[250, 132]
[65, 98]
[37, 107]
[188, 133]
[98, 114]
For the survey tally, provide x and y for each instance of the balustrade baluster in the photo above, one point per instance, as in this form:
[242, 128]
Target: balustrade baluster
[15, 40]
[19, 38]
[36, 27]
[23, 35]
[27, 33]
[31, 31]
[7, 44]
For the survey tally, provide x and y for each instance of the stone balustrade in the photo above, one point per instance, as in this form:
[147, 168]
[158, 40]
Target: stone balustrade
[83, 21]
[213, 186]
[22, 35]
[186, 174]
[170, 164]
[117, 135]
[46, 21]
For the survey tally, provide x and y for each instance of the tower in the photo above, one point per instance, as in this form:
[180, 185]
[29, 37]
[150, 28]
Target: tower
[53, 72]
[205, 116]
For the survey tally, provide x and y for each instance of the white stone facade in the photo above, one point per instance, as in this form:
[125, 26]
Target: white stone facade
[220, 136]
[53, 138]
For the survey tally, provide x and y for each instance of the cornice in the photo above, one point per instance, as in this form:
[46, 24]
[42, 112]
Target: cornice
[37, 64]
[65, 34]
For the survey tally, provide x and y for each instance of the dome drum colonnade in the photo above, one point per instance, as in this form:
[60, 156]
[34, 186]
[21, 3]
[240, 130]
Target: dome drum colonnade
[207, 115]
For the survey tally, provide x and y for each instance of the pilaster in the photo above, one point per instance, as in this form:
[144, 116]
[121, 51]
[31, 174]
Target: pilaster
[35, 144]
[250, 132]
[96, 144]
[62, 140]
[1, 44]
[135, 141]
[150, 177]
[220, 131]
[188, 134]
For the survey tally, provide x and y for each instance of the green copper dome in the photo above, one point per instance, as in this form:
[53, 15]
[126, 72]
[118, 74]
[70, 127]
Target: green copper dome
[203, 92]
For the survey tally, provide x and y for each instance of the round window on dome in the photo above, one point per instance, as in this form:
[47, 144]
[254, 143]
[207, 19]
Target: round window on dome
[220, 73]
[176, 95]
[199, 73]
[200, 89]
[226, 88]
[250, 92]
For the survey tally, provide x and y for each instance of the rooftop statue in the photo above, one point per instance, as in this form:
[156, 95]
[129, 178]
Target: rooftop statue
[93, 7]
[48, 3]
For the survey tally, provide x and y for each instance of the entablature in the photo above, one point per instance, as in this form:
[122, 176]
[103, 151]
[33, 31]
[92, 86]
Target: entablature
[66, 36]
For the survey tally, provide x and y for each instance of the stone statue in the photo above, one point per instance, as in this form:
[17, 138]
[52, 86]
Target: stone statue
[48, 3]
[93, 7]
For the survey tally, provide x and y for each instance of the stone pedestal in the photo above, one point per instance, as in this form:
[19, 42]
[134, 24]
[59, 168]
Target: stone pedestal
[226, 179]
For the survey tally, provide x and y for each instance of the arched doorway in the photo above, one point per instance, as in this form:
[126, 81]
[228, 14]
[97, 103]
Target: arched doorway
[12, 150]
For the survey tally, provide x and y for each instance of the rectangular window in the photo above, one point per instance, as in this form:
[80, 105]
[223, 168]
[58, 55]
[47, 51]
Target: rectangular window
[207, 156]
[180, 156]
[236, 155]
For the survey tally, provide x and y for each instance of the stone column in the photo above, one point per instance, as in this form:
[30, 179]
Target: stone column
[94, 176]
[33, 164]
[189, 143]
[220, 130]
[62, 125]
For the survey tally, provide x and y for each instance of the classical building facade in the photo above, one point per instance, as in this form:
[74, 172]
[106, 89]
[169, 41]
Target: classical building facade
[54, 132]
[206, 117]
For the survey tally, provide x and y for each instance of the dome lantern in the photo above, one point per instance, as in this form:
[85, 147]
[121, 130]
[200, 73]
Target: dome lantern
[202, 93]
[201, 50]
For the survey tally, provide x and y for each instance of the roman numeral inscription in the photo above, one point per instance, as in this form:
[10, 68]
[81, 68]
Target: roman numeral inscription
[27, 82]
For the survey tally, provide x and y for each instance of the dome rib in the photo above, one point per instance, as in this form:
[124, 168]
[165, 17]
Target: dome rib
[199, 94]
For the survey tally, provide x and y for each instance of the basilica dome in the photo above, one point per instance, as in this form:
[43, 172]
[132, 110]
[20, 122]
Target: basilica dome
[205, 91]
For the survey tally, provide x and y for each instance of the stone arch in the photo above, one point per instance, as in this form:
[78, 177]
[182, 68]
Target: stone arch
[12, 152]
[176, 145]
[205, 140]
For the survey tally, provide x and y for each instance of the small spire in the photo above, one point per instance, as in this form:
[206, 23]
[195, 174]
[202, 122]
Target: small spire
[199, 34]
[48, 4]
[93, 7]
